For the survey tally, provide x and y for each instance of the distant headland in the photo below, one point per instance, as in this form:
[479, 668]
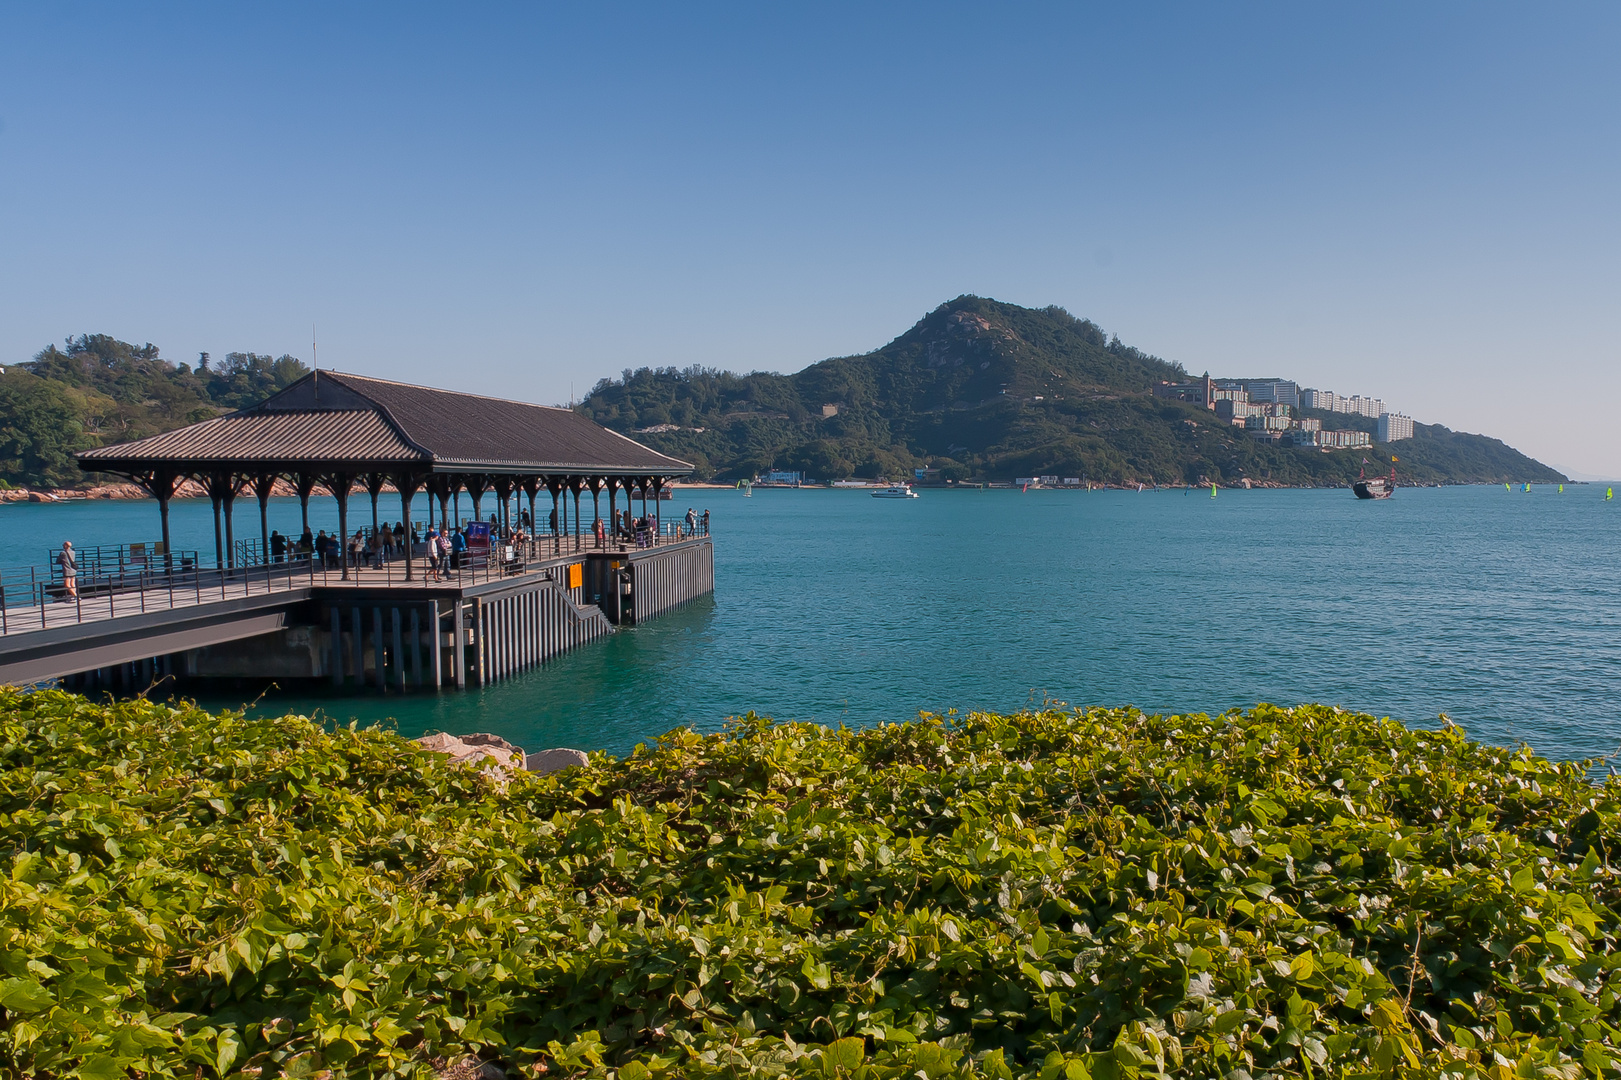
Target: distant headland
[981, 390]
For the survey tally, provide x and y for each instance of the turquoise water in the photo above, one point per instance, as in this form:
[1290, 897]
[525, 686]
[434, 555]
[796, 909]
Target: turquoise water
[1501, 610]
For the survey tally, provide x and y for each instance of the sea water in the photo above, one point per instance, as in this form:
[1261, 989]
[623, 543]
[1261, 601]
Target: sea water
[1501, 610]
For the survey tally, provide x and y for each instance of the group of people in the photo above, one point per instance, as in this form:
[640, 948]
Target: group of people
[387, 542]
[445, 547]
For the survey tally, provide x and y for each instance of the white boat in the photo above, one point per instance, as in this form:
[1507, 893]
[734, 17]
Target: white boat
[895, 491]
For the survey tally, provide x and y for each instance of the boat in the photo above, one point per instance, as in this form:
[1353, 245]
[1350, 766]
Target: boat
[895, 491]
[1374, 487]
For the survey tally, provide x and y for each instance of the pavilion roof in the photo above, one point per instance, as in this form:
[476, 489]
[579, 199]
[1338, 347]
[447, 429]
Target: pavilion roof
[332, 420]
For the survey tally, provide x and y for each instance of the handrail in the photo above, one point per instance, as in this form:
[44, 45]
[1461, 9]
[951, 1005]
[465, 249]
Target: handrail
[108, 587]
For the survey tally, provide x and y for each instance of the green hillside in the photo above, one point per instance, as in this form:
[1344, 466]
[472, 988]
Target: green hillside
[987, 390]
[97, 389]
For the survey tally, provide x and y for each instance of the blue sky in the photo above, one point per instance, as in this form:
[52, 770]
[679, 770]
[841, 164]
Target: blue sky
[1417, 201]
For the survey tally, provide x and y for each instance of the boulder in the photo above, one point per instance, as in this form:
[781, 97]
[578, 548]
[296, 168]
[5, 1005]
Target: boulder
[479, 748]
[550, 761]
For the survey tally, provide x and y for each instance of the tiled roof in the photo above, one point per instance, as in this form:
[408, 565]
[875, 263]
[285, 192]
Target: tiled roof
[353, 420]
[468, 429]
[293, 437]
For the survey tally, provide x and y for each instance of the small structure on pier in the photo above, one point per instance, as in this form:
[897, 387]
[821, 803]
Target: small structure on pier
[339, 432]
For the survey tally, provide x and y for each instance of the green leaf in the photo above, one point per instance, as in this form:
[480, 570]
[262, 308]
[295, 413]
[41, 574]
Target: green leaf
[102, 1067]
[845, 1055]
[24, 996]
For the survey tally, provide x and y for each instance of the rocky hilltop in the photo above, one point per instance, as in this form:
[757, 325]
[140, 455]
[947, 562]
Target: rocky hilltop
[984, 390]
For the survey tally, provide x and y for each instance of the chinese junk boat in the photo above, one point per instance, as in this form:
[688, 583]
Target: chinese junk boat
[1374, 487]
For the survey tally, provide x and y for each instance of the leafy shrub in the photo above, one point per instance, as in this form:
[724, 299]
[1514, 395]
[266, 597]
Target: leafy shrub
[1058, 894]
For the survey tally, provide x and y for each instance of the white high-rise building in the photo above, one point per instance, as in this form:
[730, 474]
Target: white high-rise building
[1280, 391]
[1394, 426]
[1318, 399]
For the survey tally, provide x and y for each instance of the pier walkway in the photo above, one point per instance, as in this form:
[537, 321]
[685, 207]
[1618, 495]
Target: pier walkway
[509, 614]
[147, 611]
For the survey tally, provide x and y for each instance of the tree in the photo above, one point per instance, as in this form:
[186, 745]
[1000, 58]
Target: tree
[39, 431]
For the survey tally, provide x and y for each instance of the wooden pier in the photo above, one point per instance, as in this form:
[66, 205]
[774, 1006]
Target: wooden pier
[373, 630]
[368, 608]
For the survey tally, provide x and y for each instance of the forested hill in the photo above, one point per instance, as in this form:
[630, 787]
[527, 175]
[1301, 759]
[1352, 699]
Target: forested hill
[97, 389]
[986, 390]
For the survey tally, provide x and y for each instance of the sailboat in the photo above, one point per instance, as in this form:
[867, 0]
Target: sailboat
[1609, 493]
[747, 487]
[1374, 487]
[1212, 491]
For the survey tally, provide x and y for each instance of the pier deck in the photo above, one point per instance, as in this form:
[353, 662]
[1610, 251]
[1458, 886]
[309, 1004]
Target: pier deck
[508, 617]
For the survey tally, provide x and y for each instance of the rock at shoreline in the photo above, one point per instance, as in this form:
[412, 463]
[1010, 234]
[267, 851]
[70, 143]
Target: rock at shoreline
[550, 761]
[497, 756]
[477, 748]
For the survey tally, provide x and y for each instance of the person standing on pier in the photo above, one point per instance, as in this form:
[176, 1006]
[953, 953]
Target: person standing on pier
[706, 522]
[278, 546]
[692, 522]
[70, 571]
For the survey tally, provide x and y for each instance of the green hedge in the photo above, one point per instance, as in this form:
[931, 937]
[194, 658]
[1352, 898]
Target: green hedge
[1059, 894]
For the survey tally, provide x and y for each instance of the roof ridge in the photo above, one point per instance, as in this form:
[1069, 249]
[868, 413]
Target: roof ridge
[442, 390]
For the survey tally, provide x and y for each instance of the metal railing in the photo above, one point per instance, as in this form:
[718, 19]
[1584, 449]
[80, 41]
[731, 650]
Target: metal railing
[110, 582]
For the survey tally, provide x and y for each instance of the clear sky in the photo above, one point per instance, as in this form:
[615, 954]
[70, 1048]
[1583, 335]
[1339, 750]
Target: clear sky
[1415, 201]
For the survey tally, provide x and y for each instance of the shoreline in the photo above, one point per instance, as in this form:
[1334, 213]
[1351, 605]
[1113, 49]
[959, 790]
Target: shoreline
[192, 490]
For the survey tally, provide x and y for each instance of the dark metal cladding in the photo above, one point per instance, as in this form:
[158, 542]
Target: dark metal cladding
[353, 420]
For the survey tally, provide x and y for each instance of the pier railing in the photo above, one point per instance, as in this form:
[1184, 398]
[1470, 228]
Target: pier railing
[110, 582]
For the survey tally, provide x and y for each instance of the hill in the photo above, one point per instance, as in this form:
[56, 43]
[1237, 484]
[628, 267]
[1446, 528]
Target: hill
[97, 389]
[988, 390]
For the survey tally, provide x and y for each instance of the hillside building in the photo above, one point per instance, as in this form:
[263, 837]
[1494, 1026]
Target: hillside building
[1275, 391]
[1394, 426]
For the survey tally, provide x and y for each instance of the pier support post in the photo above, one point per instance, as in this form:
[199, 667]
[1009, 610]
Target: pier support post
[416, 648]
[337, 648]
[459, 637]
[359, 647]
[377, 647]
[399, 650]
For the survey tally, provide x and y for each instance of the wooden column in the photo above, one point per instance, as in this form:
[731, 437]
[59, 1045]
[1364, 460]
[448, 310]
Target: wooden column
[263, 484]
[407, 483]
[554, 485]
[595, 484]
[477, 484]
[374, 488]
[339, 484]
[306, 484]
